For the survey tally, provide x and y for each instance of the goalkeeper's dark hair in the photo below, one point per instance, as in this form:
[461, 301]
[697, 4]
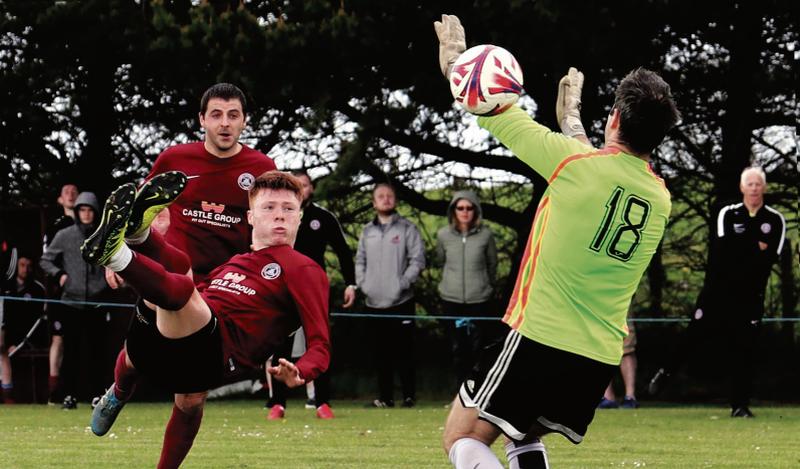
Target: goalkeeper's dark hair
[646, 110]
[224, 91]
[276, 180]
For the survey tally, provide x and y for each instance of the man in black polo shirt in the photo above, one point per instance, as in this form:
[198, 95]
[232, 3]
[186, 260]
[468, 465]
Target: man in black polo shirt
[318, 229]
[748, 238]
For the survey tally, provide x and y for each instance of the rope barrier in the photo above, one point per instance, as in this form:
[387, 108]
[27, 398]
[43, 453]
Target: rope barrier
[99, 304]
[483, 318]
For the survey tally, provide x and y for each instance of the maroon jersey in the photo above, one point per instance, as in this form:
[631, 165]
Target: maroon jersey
[209, 220]
[260, 298]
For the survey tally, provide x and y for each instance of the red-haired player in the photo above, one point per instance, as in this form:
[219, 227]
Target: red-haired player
[199, 338]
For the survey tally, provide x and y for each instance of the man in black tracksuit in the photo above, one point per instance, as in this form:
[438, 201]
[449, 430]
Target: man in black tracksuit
[318, 229]
[747, 241]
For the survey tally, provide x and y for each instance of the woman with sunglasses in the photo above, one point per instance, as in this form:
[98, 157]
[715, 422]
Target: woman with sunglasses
[467, 251]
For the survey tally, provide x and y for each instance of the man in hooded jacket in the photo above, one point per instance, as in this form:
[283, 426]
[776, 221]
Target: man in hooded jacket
[80, 282]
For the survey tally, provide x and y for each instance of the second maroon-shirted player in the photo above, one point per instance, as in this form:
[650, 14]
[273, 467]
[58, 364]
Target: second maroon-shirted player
[208, 219]
[200, 337]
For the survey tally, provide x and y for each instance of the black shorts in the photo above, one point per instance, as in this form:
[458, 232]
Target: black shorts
[186, 365]
[14, 326]
[60, 317]
[520, 383]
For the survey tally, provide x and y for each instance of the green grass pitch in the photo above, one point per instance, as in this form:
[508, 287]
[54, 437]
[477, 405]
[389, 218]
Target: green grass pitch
[236, 434]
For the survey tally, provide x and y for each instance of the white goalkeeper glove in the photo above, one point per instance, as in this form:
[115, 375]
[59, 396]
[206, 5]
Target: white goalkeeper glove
[568, 104]
[451, 41]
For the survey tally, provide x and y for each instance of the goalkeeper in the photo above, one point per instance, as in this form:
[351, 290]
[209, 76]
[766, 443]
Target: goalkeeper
[596, 228]
[200, 338]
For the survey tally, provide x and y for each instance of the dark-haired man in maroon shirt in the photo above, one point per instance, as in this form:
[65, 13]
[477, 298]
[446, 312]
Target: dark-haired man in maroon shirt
[199, 338]
[208, 220]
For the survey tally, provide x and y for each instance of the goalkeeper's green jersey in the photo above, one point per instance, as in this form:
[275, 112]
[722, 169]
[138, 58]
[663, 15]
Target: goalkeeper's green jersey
[597, 226]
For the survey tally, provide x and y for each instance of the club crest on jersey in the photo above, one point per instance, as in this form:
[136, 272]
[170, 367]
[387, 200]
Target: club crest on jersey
[234, 277]
[766, 228]
[396, 239]
[246, 181]
[271, 271]
[314, 224]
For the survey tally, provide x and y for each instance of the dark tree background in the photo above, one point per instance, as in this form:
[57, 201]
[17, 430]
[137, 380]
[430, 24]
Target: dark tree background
[94, 89]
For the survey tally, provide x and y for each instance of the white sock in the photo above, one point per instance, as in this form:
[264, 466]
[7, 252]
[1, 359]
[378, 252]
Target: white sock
[469, 453]
[532, 461]
[138, 239]
[120, 259]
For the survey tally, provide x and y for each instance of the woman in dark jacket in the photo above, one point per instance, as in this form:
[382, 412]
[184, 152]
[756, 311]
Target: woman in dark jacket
[467, 251]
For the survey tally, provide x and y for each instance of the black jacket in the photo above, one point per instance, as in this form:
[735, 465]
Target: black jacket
[320, 228]
[738, 269]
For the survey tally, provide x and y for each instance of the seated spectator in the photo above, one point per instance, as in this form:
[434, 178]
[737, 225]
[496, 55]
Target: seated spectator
[17, 319]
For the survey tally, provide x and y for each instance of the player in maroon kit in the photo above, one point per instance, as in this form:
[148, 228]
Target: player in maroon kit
[208, 219]
[202, 337]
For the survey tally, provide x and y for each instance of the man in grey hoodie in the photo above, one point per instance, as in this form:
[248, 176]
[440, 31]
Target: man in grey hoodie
[79, 281]
[467, 251]
[389, 259]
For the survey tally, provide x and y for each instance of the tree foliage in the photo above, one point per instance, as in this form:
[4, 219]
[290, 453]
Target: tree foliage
[351, 90]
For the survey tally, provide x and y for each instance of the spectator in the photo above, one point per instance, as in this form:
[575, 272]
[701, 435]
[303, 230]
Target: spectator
[467, 250]
[80, 282]
[17, 319]
[748, 240]
[319, 228]
[627, 368]
[65, 216]
[390, 257]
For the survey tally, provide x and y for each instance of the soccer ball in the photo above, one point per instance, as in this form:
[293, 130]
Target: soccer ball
[486, 80]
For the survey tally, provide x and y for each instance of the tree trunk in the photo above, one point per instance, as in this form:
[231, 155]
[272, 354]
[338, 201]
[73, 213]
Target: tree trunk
[788, 290]
[739, 119]
[656, 276]
[98, 119]
[738, 123]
